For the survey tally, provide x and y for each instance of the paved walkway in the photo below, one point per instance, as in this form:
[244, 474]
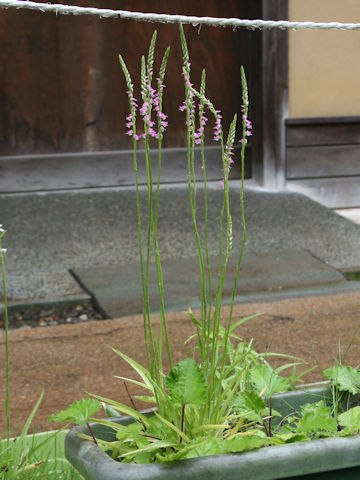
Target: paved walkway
[50, 234]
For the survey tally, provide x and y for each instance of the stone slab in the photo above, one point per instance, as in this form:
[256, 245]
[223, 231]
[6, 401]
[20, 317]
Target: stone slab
[48, 234]
[117, 288]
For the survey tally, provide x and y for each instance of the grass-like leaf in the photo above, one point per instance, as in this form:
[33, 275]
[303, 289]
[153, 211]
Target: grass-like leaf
[120, 407]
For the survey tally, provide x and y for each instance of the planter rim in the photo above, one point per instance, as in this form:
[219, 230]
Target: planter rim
[268, 463]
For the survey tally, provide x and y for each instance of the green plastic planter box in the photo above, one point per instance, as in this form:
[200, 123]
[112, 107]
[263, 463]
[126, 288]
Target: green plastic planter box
[324, 459]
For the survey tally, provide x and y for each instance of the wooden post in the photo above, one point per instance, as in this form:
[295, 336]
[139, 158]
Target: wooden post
[268, 168]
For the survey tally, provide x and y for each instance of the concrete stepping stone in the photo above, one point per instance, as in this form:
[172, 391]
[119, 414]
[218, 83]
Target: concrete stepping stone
[117, 288]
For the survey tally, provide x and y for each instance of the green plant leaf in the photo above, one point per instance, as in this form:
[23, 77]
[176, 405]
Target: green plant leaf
[152, 447]
[173, 427]
[243, 320]
[212, 446]
[291, 437]
[266, 381]
[241, 444]
[124, 409]
[317, 419]
[195, 321]
[145, 398]
[248, 404]
[110, 412]
[350, 418]
[78, 412]
[186, 383]
[346, 379]
[143, 373]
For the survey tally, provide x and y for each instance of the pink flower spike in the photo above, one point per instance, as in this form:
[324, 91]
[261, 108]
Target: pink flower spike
[128, 124]
[151, 90]
[129, 132]
[153, 133]
[129, 117]
[144, 108]
[182, 108]
[136, 137]
[222, 182]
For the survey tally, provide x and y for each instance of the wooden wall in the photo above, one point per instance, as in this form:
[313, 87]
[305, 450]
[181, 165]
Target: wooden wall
[323, 159]
[62, 89]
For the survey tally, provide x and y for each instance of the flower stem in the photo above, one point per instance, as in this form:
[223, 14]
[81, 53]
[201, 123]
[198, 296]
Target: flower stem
[7, 357]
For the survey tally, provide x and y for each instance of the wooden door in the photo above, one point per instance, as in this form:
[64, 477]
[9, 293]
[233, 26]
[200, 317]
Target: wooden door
[61, 87]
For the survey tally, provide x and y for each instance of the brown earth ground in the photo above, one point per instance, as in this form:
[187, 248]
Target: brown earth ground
[67, 360]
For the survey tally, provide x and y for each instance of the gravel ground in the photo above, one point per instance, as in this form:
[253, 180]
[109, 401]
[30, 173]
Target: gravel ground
[50, 316]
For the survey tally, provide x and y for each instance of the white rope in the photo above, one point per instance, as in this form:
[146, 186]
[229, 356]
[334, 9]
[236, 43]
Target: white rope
[163, 18]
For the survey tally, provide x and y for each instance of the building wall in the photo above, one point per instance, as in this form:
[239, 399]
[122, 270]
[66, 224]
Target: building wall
[324, 67]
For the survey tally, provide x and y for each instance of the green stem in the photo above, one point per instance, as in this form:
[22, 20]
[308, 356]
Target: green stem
[7, 357]
[159, 273]
[148, 331]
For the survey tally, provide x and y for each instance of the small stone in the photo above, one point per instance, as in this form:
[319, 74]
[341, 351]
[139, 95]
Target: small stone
[68, 319]
[83, 317]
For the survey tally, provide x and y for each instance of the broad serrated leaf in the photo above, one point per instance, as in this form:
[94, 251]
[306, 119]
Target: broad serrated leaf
[78, 412]
[130, 432]
[212, 446]
[142, 458]
[186, 384]
[241, 444]
[350, 418]
[248, 404]
[347, 379]
[316, 419]
[267, 382]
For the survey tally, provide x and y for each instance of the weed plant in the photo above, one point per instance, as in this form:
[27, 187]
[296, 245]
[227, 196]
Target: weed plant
[219, 399]
[27, 457]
